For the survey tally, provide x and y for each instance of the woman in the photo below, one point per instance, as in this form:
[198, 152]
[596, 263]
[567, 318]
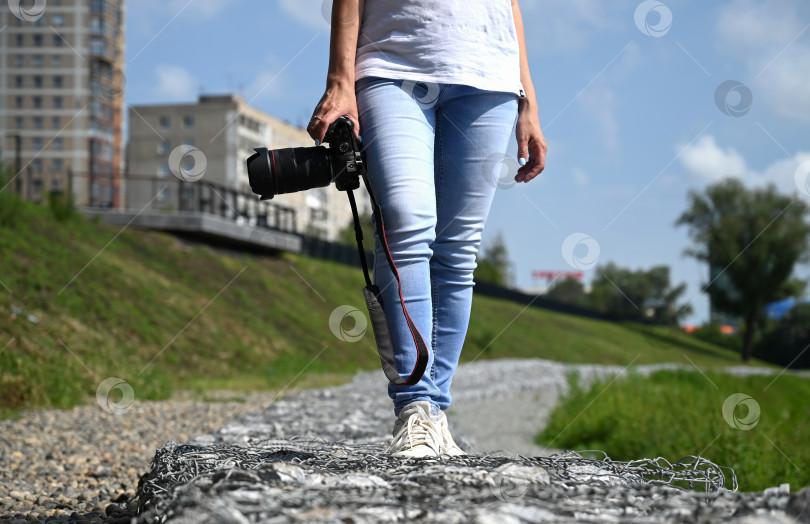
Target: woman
[435, 88]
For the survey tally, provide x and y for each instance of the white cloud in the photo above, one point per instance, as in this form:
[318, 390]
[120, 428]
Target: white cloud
[205, 8]
[749, 25]
[310, 13]
[599, 103]
[581, 178]
[599, 100]
[553, 26]
[266, 85]
[709, 162]
[772, 39]
[174, 84]
[200, 8]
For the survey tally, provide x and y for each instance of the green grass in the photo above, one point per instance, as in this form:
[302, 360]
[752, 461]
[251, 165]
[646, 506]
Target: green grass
[164, 315]
[677, 413]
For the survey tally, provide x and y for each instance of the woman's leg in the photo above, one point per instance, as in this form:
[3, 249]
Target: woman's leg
[472, 128]
[398, 136]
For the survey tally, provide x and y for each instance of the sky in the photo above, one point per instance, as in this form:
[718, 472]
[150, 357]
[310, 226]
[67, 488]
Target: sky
[641, 102]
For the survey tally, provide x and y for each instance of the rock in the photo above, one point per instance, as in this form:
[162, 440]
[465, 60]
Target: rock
[16, 494]
[799, 505]
[315, 456]
[318, 455]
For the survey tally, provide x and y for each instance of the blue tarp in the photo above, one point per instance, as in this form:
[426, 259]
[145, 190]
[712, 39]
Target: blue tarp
[776, 310]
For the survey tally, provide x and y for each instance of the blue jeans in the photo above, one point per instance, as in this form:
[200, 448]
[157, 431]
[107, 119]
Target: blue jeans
[428, 148]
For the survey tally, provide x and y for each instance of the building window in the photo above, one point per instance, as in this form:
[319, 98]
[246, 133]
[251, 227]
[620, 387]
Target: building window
[57, 165]
[36, 143]
[95, 108]
[98, 46]
[97, 6]
[165, 122]
[37, 40]
[20, 61]
[58, 20]
[56, 122]
[163, 147]
[36, 60]
[19, 81]
[58, 144]
[188, 121]
[20, 40]
[97, 26]
[57, 102]
[58, 81]
[189, 142]
[56, 61]
[37, 81]
[164, 194]
[58, 41]
[37, 120]
[38, 102]
[18, 122]
[163, 170]
[36, 165]
[19, 101]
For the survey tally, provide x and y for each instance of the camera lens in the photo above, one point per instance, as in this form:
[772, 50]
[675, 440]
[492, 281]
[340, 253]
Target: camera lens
[278, 171]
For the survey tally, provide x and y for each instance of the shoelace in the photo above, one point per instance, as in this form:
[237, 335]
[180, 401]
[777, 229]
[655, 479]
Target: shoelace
[446, 437]
[419, 431]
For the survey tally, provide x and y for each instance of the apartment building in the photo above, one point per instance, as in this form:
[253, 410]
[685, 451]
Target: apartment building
[222, 130]
[61, 90]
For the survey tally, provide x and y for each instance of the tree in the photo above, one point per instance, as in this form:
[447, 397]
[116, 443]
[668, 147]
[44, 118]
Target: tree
[752, 240]
[643, 294]
[10, 203]
[569, 290]
[494, 265]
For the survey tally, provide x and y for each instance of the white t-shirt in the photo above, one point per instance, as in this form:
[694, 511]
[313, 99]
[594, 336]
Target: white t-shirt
[469, 42]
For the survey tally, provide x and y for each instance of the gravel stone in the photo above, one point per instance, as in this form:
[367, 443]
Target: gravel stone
[88, 465]
[85, 458]
[278, 464]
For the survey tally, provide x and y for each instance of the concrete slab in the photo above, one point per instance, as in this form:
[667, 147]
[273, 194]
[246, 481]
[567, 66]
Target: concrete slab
[201, 225]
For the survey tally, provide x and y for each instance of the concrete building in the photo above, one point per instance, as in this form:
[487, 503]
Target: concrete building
[61, 87]
[208, 143]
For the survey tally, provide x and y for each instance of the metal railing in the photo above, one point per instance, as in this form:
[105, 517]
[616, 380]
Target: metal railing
[164, 194]
[170, 194]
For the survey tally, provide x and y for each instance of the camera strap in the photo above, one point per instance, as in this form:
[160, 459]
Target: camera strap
[374, 301]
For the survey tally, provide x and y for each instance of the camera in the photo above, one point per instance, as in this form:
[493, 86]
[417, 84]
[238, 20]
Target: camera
[277, 171]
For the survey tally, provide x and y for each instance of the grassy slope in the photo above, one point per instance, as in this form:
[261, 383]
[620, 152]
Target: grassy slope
[635, 417]
[135, 296]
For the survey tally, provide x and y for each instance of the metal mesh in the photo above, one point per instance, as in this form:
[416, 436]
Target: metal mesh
[310, 479]
[268, 466]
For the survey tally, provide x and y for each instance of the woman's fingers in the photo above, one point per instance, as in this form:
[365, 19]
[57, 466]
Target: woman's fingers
[324, 115]
[536, 161]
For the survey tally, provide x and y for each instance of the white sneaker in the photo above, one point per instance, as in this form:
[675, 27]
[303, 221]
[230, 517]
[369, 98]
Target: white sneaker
[448, 445]
[416, 432]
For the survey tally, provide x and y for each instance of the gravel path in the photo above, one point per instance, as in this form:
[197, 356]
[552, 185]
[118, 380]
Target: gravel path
[318, 456]
[83, 464]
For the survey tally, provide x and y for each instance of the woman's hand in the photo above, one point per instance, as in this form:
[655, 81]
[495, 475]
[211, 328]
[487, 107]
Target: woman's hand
[531, 143]
[338, 100]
